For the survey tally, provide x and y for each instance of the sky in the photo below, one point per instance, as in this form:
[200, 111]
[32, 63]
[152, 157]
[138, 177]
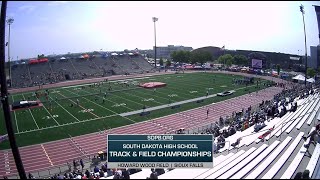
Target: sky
[58, 27]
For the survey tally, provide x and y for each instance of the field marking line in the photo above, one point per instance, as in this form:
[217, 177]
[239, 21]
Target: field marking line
[83, 121]
[50, 115]
[32, 115]
[127, 99]
[104, 107]
[79, 105]
[111, 100]
[47, 112]
[143, 98]
[64, 109]
[45, 152]
[15, 116]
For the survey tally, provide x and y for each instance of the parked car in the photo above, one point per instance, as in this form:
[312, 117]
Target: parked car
[225, 93]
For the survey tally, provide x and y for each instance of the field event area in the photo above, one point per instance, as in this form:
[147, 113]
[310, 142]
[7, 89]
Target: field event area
[97, 107]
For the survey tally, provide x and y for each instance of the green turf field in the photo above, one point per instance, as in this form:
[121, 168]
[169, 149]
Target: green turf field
[56, 119]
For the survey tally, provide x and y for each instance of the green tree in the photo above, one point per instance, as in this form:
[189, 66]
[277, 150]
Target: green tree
[181, 56]
[278, 69]
[225, 58]
[240, 60]
[200, 57]
[161, 62]
[311, 72]
[168, 63]
[229, 62]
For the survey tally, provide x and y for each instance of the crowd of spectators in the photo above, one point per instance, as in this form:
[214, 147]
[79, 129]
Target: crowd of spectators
[283, 102]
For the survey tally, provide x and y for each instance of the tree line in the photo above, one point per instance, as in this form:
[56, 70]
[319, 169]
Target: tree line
[203, 57]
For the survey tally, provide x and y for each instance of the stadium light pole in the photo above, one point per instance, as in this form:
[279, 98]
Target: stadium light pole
[9, 22]
[305, 44]
[154, 19]
[4, 95]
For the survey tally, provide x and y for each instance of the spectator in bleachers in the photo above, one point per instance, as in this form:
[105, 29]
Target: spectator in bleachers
[305, 174]
[314, 137]
[125, 174]
[96, 169]
[82, 164]
[236, 143]
[153, 174]
[298, 175]
[30, 176]
[160, 171]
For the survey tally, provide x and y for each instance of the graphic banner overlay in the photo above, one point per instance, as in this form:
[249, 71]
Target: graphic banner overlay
[256, 63]
[160, 151]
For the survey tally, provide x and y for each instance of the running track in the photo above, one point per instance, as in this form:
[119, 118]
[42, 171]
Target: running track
[57, 153]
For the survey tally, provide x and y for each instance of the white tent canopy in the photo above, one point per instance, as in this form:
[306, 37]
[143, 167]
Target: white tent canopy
[63, 58]
[311, 80]
[114, 54]
[299, 77]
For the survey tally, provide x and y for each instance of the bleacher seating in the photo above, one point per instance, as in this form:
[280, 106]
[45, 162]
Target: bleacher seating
[231, 164]
[276, 167]
[186, 173]
[20, 76]
[256, 172]
[255, 162]
[55, 71]
[219, 166]
[314, 160]
[243, 163]
[296, 161]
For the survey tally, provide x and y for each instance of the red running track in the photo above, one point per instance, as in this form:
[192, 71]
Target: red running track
[53, 154]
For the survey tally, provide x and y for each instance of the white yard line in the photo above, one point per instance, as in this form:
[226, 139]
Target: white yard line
[112, 101]
[143, 98]
[15, 116]
[79, 105]
[101, 106]
[51, 115]
[67, 124]
[127, 99]
[65, 110]
[32, 115]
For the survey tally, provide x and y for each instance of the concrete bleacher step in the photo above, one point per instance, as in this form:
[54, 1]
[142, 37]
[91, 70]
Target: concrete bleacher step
[295, 162]
[231, 164]
[140, 175]
[187, 174]
[314, 160]
[244, 171]
[278, 165]
[243, 163]
[310, 119]
[311, 115]
[256, 172]
[290, 121]
[313, 106]
[219, 166]
[286, 119]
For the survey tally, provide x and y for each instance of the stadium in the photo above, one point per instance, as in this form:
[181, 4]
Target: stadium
[65, 111]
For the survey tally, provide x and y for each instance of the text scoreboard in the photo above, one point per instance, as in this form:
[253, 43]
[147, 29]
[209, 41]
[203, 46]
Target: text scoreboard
[160, 151]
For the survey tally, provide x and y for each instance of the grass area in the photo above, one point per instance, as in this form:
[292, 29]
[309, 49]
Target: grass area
[60, 117]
